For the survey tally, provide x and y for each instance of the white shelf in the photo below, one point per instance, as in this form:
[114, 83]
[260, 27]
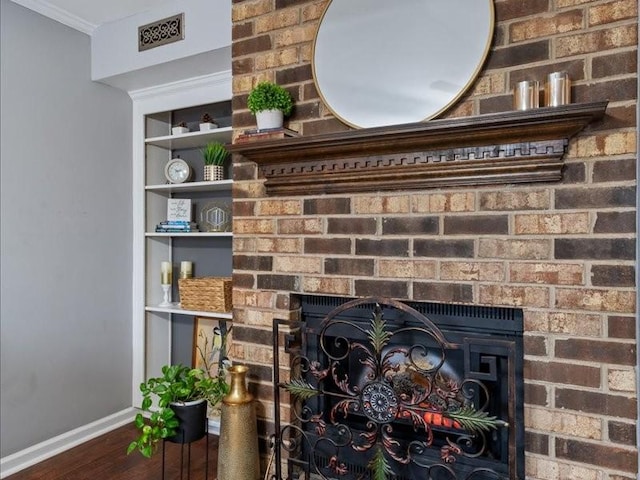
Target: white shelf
[192, 139]
[220, 185]
[190, 234]
[176, 309]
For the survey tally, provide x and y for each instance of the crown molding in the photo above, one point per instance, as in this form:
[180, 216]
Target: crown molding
[58, 14]
[178, 87]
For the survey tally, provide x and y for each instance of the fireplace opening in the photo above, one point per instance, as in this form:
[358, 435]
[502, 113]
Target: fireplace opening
[384, 389]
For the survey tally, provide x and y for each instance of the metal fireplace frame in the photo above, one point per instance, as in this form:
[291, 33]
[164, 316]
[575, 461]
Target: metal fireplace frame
[380, 401]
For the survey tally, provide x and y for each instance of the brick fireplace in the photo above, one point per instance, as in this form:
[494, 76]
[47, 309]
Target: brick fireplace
[560, 248]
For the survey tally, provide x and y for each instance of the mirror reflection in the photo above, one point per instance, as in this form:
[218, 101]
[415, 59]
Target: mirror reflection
[378, 63]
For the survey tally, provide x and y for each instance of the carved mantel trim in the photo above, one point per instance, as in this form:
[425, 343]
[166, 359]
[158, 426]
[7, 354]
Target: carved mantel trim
[510, 147]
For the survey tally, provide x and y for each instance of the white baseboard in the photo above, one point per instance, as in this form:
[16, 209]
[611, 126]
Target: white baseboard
[29, 456]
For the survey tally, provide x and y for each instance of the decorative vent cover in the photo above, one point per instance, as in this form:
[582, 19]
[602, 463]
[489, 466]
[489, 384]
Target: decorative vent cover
[162, 32]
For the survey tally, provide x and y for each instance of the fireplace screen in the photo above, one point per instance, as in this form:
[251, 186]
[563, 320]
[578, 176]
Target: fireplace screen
[380, 389]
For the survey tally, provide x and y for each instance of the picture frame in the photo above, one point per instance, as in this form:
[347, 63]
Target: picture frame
[179, 209]
[206, 354]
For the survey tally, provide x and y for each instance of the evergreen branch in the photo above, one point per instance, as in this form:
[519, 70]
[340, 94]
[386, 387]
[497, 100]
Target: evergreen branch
[379, 466]
[475, 420]
[378, 336]
[299, 388]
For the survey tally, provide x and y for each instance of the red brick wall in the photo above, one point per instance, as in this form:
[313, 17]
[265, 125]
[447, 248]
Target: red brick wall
[564, 252]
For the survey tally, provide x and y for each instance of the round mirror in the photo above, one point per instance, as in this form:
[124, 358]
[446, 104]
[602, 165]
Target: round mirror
[382, 62]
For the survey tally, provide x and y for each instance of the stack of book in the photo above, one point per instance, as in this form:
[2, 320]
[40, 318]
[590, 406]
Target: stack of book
[266, 134]
[176, 226]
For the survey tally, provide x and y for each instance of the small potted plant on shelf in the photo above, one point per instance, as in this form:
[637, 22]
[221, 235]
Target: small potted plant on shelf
[180, 128]
[214, 155]
[207, 123]
[176, 406]
[269, 103]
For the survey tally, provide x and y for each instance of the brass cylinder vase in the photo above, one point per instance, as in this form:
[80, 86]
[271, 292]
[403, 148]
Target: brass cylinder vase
[238, 455]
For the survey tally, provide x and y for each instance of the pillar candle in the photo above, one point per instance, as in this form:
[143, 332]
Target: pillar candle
[166, 273]
[186, 269]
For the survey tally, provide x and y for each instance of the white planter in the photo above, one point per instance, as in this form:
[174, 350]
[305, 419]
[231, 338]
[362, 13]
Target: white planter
[207, 126]
[268, 119]
[179, 130]
[213, 173]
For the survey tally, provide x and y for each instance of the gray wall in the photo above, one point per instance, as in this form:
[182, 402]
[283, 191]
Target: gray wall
[66, 242]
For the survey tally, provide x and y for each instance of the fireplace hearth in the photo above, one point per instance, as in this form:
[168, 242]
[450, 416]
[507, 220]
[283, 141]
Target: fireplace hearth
[384, 389]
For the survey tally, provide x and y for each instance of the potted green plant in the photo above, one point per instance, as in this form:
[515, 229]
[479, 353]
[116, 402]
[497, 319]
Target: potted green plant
[214, 155]
[176, 406]
[269, 103]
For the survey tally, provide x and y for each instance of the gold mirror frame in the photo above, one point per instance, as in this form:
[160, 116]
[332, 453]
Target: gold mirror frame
[359, 54]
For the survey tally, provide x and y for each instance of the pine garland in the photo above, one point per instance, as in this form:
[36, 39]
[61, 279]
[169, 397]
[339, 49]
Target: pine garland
[379, 466]
[474, 420]
[299, 388]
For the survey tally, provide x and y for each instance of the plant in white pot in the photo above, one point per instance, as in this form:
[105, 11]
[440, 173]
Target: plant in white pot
[270, 103]
[214, 155]
[177, 402]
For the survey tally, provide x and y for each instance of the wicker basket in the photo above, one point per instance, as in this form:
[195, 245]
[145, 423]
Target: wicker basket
[210, 294]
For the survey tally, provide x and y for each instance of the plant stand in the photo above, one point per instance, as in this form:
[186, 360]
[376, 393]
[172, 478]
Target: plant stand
[188, 459]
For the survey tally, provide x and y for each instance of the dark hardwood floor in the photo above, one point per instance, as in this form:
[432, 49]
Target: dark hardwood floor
[105, 458]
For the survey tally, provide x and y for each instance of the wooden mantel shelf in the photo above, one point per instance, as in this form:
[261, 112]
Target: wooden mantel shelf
[509, 147]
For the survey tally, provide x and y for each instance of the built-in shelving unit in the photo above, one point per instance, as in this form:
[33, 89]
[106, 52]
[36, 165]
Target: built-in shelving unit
[165, 334]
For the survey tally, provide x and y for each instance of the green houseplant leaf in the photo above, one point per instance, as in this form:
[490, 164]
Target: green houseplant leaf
[214, 153]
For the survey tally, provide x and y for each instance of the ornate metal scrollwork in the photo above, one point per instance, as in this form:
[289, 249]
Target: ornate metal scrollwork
[382, 400]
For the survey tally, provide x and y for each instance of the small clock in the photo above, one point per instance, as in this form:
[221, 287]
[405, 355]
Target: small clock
[177, 171]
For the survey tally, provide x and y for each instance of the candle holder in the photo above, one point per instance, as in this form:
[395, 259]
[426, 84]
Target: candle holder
[166, 292]
[557, 90]
[526, 95]
[186, 269]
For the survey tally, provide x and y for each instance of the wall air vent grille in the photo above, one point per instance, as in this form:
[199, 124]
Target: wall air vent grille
[162, 32]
